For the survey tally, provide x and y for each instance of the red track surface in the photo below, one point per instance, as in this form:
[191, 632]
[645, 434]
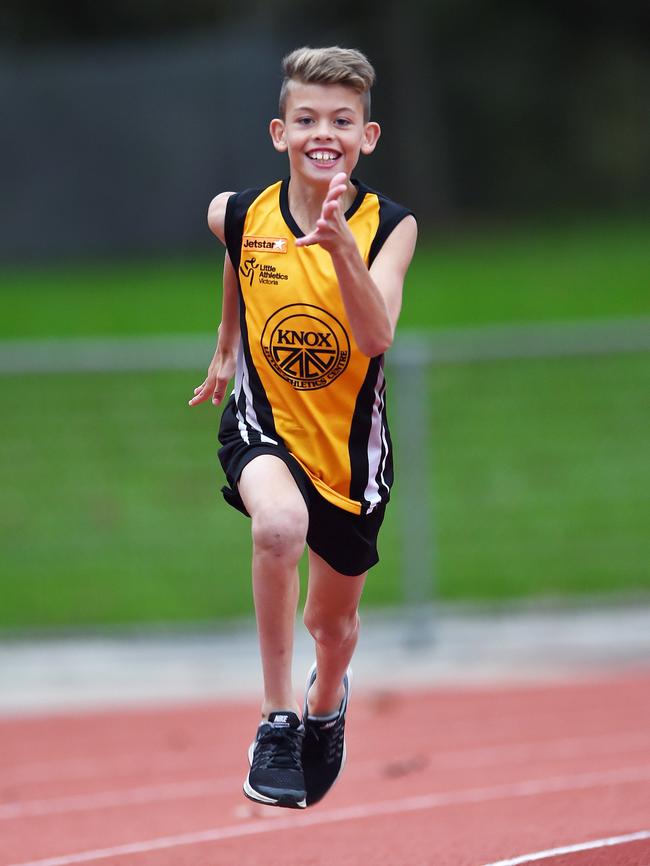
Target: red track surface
[443, 777]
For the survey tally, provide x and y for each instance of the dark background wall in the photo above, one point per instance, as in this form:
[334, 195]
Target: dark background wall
[120, 120]
[119, 147]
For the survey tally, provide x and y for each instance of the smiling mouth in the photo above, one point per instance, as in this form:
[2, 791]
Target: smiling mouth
[323, 157]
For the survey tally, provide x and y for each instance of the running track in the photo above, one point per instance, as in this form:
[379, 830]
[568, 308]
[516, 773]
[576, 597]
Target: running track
[553, 773]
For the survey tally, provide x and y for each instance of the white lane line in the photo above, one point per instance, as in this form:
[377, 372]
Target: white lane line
[566, 747]
[529, 788]
[111, 799]
[132, 764]
[513, 753]
[574, 849]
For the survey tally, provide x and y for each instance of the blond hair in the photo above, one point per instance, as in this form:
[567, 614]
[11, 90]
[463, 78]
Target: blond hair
[345, 66]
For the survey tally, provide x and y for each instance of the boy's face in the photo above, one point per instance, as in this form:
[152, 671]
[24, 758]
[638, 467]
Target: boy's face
[323, 131]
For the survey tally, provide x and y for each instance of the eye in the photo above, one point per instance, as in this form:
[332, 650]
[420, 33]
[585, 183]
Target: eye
[304, 121]
[343, 121]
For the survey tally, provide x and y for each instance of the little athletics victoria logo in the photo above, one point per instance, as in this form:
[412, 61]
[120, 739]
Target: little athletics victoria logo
[267, 275]
[306, 346]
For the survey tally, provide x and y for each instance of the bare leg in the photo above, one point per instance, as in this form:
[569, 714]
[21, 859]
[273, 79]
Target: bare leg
[279, 527]
[331, 615]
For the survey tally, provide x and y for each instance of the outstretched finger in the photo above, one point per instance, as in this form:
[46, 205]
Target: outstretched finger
[339, 179]
[219, 390]
[330, 208]
[307, 240]
[334, 194]
[202, 394]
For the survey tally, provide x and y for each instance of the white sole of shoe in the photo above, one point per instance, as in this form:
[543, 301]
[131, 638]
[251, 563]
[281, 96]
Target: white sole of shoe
[257, 797]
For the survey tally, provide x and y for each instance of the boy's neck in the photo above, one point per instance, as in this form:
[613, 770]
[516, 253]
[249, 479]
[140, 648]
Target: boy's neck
[306, 201]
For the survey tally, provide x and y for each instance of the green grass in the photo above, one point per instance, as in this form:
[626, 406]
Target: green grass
[110, 509]
[578, 272]
[113, 514]
[528, 275]
[540, 475]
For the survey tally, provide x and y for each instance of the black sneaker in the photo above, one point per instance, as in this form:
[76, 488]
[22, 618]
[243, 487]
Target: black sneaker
[275, 777]
[323, 750]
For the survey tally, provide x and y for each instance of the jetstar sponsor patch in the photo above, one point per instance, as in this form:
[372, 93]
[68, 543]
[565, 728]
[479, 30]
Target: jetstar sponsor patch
[265, 245]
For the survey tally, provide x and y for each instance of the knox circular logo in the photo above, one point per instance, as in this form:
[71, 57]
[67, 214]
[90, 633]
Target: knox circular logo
[306, 346]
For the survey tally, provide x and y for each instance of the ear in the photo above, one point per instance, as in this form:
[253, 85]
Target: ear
[371, 133]
[277, 128]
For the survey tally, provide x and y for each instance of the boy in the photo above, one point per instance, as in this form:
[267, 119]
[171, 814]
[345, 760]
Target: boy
[313, 278]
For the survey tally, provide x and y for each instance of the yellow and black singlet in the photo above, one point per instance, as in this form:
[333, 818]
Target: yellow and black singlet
[301, 380]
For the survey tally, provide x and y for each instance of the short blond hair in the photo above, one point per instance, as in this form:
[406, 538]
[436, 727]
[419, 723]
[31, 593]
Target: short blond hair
[334, 65]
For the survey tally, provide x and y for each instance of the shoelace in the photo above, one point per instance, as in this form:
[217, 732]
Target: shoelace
[278, 748]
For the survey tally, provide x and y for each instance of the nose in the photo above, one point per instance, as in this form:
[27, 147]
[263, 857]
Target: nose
[323, 129]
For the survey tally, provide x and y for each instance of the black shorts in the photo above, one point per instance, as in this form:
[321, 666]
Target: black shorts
[347, 542]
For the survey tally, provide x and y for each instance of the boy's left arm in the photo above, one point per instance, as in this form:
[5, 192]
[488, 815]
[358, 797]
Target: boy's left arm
[372, 297]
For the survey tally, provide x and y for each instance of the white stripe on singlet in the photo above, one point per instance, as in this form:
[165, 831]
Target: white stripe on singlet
[376, 443]
[242, 382]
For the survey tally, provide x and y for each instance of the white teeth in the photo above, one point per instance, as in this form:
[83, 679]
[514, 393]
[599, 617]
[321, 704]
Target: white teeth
[323, 156]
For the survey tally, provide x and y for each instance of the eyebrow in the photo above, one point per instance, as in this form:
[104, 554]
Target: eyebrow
[336, 110]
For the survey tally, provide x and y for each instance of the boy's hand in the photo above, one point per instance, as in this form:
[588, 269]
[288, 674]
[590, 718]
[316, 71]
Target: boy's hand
[331, 227]
[220, 372]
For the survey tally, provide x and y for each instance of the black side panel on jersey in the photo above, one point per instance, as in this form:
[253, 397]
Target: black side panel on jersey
[384, 476]
[236, 210]
[261, 402]
[390, 214]
[380, 477]
[360, 433]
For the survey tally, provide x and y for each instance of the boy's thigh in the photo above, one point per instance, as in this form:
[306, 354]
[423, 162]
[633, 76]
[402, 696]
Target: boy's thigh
[266, 484]
[329, 592]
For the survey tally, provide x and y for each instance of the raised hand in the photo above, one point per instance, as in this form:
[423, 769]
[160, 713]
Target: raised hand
[331, 227]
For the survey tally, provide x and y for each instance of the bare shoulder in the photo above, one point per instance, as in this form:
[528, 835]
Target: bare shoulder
[405, 232]
[217, 214]
[398, 248]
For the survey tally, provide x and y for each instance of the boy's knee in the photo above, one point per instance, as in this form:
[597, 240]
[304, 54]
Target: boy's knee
[331, 630]
[280, 532]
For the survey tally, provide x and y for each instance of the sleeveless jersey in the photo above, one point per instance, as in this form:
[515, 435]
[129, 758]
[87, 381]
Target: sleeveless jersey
[301, 380]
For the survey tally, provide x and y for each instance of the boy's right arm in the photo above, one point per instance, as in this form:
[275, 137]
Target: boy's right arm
[222, 366]
[217, 215]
